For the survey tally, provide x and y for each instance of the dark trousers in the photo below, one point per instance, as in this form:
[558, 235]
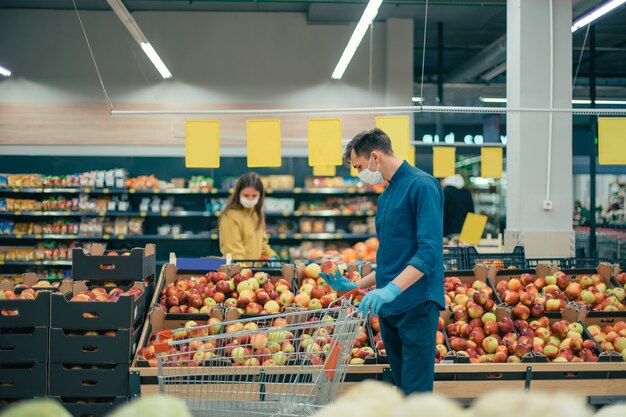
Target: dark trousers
[409, 339]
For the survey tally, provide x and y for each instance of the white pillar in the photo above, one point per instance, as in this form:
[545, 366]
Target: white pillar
[544, 233]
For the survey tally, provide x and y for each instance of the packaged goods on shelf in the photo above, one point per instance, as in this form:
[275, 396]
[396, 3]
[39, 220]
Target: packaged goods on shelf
[339, 204]
[278, 182]
[21, 180]
[216, 205]
[279, 205]
[199, 182]
[44, 251]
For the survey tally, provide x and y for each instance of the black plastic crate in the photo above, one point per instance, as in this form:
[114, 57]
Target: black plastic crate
[515, 259]
[559, 262]
[66, 380]
[125, 313]
[66, 347]
[24, 345]
[454, 259]
[91, 407]
[23, 381]
[134, 265]
[585, 263]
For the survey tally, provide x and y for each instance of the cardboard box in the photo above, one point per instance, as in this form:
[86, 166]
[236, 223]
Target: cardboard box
[93, 350]
[28, 313]
[125, 313]
[138, 264]
[26, 345]
[157, 321]
[92, 407]
[23, 381]
[104, 381]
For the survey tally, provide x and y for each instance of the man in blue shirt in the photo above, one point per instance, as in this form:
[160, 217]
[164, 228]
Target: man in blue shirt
[409, 276]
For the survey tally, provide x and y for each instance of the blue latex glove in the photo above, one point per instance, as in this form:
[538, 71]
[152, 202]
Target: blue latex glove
[375, 299]
[338, 282]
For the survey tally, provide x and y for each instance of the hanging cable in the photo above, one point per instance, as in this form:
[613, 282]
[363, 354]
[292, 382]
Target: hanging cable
[93, 58]
[580, 58]
[547, 204]
[424, 53]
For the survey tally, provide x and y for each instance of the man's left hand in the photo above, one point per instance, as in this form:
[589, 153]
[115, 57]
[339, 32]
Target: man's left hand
[375, 299]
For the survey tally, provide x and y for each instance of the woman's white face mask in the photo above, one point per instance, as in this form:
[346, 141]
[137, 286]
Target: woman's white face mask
[371, 177]
[247, 203]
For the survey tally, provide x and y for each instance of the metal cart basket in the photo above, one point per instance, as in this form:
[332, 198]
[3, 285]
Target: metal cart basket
[287, 364]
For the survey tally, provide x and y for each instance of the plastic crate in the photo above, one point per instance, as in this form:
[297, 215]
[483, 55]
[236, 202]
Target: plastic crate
[559, 262]
[454, 259]
[515, 259]
[134, 265]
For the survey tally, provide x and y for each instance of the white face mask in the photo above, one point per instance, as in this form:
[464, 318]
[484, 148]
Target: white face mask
[248, 203]
[370, 177]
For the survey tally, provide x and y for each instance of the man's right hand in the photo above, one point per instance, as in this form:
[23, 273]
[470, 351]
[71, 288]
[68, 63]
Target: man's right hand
[338, 282]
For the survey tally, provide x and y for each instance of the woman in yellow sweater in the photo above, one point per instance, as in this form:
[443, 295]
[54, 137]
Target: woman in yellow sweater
[242, 224]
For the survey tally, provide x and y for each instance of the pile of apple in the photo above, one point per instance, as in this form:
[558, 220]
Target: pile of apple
[591, 291]
[621, 278]
[101, 294]
[610, 338]
[560, 341]
[314, 293]
[247, 292]
[468, 301]
[485, 340]
[361, 349]
[378, 341]
[532, 297]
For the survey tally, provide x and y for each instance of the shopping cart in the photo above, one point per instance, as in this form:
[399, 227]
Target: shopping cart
[287, 364]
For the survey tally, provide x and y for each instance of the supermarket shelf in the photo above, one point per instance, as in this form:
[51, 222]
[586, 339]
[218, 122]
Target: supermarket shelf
[30, 263]
[321, 236]
[297, 213]
[295, 191]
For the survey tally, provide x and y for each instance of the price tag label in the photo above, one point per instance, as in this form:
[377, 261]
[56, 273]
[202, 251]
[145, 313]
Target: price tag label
[18, 213]
[214, 236]
[37, 262]
[176, 237]
[298, 235]
[213, 191]
[164, 214]
[102, 213]
[106, 237]
[105, 191]
[131, 191]
[286, 213]
[339, 236]
[352, 190]
[297, 190]
[121, 237]
[16, 190]
[358, 213]
[71, 236]
[143, 214]
[87, 190]
[38, 236]
[282, 236]
[297, 213]
[18, 236]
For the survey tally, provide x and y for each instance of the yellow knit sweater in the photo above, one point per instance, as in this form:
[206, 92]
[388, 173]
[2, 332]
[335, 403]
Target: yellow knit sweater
[240, 236]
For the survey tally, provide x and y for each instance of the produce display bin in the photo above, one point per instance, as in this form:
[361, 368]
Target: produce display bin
[515, 259]
[23, 380]
[67, 380]
[91, 407]
[137, 264]
[23, 345]
[66, 347]
[125, 313]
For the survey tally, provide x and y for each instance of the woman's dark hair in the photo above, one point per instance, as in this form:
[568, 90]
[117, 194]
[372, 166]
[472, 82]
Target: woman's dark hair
[251, 179]
[365, 142]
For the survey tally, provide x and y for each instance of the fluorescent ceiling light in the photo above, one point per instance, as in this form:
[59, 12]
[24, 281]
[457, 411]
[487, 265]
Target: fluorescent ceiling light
[494, 72]
[596, 14]
[417, 99]
[135, 31]
[574, 101]
[5, 71]
[371, 10]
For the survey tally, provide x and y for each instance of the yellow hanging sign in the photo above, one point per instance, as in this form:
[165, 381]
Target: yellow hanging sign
[325, 142]
[473, 228]
[202, 144]
[491, 162]
[443, 161]
[612, 140]
[411, 156]
[324, 171]
[263, 138]
[399, 131]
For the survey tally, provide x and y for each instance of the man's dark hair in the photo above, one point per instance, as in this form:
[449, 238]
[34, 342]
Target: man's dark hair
[365, 142]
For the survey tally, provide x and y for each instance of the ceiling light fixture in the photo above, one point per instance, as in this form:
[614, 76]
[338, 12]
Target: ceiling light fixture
[494, 72]
[371, 10]
[135, 31]
[5, 71]
[417, 99]
[596, 13]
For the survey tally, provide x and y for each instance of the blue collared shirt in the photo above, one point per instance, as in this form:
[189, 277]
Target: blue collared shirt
[409, 225]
